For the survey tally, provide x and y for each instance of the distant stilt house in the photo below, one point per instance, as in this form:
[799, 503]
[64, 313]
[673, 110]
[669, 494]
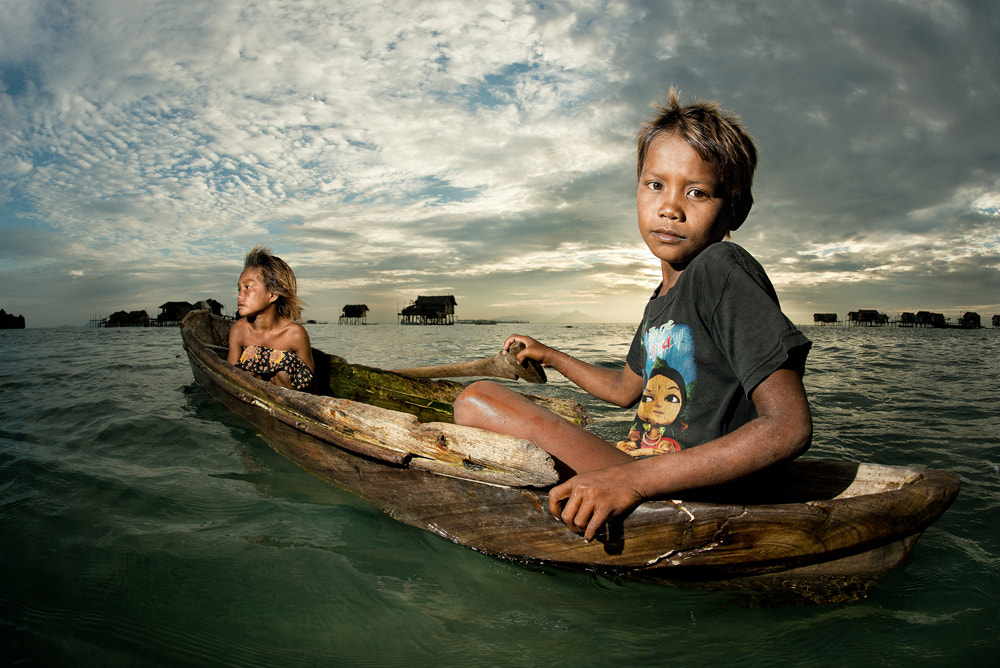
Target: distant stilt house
[11, 321]
[438, 310]
[928, 319]
[825, 318]
[129, 319]
[970, 320]
[353, 314]
[172, 313]
[996, 322]
[867, 318]
[215, 307]
[907, 319]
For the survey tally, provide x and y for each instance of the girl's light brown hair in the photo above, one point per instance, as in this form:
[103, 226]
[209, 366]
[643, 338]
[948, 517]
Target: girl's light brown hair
[718, 137]
[278, 278]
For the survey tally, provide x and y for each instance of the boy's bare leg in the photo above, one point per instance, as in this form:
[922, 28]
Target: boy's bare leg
[492, 406]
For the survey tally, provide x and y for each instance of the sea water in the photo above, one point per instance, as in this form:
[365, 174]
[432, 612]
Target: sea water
[142, 524]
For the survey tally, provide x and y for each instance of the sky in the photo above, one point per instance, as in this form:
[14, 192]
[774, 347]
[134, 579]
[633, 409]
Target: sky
[393, 149]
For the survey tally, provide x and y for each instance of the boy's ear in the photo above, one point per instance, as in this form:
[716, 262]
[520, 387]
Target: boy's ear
[737, 216]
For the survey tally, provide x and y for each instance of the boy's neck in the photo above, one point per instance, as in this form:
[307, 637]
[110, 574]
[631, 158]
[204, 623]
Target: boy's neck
[671, 274]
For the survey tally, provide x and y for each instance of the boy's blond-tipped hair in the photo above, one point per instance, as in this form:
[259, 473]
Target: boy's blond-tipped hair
[279, 278]
[717, 136]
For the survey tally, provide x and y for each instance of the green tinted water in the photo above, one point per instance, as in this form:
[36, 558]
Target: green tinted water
[143, 524]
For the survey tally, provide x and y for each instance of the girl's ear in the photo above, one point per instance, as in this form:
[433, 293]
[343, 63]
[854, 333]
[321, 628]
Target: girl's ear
[274, 296]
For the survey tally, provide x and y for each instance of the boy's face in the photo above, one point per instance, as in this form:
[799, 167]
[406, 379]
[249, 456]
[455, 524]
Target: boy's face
[680, 203]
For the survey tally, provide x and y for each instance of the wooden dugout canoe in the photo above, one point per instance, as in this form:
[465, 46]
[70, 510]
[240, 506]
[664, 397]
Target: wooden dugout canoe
[811, 530]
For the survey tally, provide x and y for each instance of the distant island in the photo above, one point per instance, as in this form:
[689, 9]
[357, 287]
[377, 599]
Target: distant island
[11, 321]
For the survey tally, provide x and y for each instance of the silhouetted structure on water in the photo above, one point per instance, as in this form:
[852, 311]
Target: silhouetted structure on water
[970, 320]
[353, 314]
[171, 314]
[127, 319]
[867, 318]
[873, 318]
[436, 310]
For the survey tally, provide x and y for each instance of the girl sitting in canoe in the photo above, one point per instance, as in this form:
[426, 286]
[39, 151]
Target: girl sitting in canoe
[268, 340]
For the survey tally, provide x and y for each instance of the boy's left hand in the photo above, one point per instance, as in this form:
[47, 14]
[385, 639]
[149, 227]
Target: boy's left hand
[591, 499]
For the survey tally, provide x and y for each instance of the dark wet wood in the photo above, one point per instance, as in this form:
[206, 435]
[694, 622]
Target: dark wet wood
[817, 531]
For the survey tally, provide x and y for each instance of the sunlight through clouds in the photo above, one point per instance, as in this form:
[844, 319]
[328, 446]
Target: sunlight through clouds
[387, 149]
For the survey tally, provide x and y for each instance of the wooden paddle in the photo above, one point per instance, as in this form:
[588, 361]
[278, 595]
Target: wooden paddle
[498, 366]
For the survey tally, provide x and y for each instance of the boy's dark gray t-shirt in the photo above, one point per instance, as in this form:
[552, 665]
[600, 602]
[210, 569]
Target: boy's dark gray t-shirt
[720, 332]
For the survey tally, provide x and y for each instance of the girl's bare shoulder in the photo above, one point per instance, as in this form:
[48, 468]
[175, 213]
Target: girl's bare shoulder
[294, 331]
[238, 328]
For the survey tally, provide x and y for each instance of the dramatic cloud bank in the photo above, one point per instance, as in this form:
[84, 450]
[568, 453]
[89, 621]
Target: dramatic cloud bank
[393, 149]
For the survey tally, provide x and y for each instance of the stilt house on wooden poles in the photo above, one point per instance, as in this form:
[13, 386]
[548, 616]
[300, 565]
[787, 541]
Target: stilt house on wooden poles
[438, 310]
[354, 314]
[867, 318]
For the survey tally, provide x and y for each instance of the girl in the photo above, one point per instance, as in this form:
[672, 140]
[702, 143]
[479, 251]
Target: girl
[268, 340]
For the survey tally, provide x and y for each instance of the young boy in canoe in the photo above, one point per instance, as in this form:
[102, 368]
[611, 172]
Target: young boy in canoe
[268, 340]
[714, 363]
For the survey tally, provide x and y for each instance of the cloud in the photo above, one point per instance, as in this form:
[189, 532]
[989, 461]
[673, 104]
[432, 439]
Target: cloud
[393, 149]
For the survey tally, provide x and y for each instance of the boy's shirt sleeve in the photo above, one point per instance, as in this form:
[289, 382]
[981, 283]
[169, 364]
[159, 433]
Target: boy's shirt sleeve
[747, 323]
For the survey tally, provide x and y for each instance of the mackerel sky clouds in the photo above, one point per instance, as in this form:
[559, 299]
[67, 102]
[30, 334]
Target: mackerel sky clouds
[394, 149]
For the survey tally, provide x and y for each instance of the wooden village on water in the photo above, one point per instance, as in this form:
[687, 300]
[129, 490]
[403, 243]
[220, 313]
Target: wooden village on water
[433, 310]
[440, 310]
[873, 318]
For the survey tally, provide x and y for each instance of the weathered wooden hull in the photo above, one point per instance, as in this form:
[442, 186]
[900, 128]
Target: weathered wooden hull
[821, 531]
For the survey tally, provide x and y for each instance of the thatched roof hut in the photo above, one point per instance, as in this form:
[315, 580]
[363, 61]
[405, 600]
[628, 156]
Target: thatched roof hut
[434, 310]
[354, 314]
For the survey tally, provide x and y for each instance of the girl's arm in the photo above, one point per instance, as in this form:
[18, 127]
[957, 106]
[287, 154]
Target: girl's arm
[622, 388]
[782, 430]
[236, 341]
[299, 343]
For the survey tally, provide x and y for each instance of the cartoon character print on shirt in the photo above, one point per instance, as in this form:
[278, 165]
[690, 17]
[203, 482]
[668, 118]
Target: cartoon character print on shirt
[670, 374]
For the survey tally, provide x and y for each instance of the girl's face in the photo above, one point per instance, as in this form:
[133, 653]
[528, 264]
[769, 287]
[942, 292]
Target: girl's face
[661, 401]
[251, 296]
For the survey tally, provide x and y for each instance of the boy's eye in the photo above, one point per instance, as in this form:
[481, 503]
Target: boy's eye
[697, 194]
[653, 185]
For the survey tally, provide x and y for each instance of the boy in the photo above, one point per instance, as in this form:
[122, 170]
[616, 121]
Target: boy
[714, 321]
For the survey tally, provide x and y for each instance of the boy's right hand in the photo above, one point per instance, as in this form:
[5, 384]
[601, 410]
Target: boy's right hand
[586, 501]
[532, 349]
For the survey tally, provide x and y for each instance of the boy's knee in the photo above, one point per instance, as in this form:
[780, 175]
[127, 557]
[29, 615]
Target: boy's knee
[474, 395]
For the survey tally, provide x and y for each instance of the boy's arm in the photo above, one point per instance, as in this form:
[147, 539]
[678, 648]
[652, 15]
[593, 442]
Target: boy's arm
[622, 388]
[782, 430]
